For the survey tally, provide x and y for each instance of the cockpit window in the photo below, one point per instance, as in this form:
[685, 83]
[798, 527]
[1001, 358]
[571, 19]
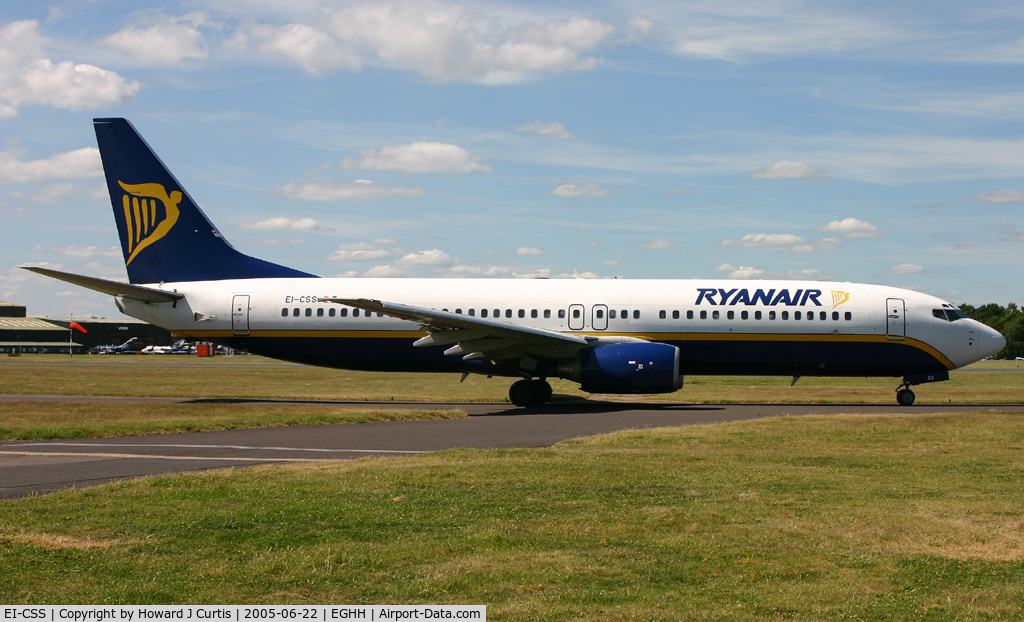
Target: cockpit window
[955, 314]
[940, 313]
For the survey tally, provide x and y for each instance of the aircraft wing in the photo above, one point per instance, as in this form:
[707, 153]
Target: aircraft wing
[475, 338]
[114, 288]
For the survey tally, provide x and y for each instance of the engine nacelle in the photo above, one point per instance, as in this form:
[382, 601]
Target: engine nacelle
[626, 368]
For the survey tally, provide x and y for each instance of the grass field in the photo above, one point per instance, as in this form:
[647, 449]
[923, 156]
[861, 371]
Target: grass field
[884, 517]
[28, 420]
[250, 376]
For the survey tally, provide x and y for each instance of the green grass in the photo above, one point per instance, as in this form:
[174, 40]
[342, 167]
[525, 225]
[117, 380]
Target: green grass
[250, 376]
[28, 420]
[886, 517]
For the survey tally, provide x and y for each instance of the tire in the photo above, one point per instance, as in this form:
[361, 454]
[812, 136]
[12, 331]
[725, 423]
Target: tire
[542, 391]
[521, 393]
[905, 397]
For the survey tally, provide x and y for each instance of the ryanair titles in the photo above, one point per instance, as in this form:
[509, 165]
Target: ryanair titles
[770, 298]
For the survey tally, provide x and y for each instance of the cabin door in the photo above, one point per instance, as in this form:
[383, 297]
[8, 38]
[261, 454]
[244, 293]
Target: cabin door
[896, 320]
[240, 315]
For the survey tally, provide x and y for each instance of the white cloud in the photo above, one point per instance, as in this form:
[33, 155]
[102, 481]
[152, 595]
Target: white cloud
[749, 272]
[475, 271]
[446, 42]
[581, 188]
[387, 271]
[429, 257]
[27, 76]
[554, 131]
[524, 251]
[358, 190]
[786, 169]
[384, 241]
[161, 40]
[47, 193]
[284, 224]
[906, 268]
[592, 244]
[783, 242]
[610, 263]
[79, 163]
[418, 157]
[655, 244]
[963, 247]
[83, 251]
[851, 228]
[999, 196]
[1009, 232]
[312, 49]
[359, 252]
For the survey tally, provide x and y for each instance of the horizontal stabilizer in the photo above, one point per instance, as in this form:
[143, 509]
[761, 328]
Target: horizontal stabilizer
[114, 288]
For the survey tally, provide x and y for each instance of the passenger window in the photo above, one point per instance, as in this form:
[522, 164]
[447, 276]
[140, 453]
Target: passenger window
[483, 313]
[355, 312]
[636, 314]
[703, 314]
[561, 314]
[472, 312]
[458, 311]
[714, 315]
[309, 312]
[771, 315]
[522, 313]
[785, 315]
[824, 316]
[743, 315]
[284, 312]
[343, 313]
[331, 311]
[380, 315]
[295, 312]
[661, 314]
[675, 315]
[508, 312]
[757, 315]
[547, 313]
[731, 315]
[689, 315]
[611, 314]
[599, 314]
[575, 314]
[835, 315]
[533, 313]
[320, 312]
[849, 316]
[497, 313]
[624, 315]
[796, 315]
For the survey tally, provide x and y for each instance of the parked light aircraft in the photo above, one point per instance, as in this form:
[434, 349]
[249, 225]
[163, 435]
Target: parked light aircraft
[611, 336]
[127, 347]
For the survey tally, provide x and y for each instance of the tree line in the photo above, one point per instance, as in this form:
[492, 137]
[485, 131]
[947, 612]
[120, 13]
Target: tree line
[1008, 320]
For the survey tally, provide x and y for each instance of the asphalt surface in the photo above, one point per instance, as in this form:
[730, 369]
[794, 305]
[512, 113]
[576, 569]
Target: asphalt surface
[39, 467]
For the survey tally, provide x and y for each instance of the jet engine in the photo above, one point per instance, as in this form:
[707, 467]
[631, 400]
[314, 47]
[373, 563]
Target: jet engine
[625, 368]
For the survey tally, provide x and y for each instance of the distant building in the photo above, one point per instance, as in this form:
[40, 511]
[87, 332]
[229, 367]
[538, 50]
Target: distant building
[32, 335]
[36, 335]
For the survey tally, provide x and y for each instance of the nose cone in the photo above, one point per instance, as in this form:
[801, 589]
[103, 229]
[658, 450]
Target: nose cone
[991, 341]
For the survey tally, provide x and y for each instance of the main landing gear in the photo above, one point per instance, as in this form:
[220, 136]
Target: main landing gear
[529, 392]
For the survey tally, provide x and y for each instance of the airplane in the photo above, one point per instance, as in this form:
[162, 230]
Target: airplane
[612, 336]
[124, 348]
[180, 346]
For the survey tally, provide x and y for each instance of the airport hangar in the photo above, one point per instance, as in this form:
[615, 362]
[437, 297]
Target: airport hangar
[21, 333]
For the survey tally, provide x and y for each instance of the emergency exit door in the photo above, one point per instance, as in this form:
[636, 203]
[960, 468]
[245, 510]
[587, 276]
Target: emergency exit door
[240, 315]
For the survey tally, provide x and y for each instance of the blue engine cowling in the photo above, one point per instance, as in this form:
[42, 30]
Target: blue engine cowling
[630, 368]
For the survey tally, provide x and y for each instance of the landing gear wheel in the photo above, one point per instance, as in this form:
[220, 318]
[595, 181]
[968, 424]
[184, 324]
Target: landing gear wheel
[542, 391]
[905, 397]
[529, 392]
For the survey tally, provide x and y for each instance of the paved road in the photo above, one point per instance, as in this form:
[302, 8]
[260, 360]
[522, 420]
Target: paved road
[29, 468]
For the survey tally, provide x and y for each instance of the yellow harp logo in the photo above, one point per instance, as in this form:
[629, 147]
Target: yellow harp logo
[149, 214]
[839, 298]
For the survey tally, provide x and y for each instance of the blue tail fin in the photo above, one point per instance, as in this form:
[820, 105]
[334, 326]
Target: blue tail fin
[165, 237]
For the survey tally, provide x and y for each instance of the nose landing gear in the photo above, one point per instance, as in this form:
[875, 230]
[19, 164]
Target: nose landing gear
[905, 397]
[529, 392]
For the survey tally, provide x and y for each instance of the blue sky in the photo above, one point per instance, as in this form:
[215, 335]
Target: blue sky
[870, 142]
